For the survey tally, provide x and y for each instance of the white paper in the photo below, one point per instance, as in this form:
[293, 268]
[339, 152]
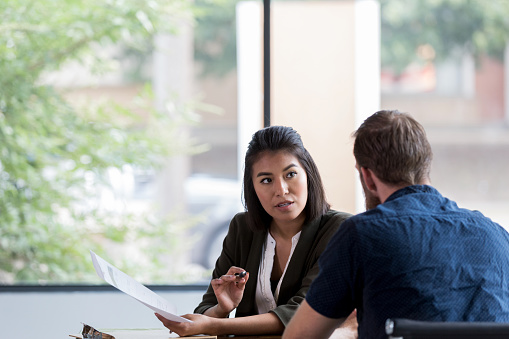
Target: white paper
[128, 285]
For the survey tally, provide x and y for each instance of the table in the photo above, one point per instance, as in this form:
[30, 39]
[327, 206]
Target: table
[164, 334]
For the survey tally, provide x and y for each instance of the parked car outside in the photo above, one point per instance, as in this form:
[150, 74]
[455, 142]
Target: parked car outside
[214, 201]
[218, 200]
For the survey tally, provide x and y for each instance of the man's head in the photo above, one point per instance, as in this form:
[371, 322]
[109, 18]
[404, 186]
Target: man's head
[394, 147]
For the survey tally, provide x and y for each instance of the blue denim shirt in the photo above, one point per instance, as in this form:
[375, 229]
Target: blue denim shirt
[415, 256]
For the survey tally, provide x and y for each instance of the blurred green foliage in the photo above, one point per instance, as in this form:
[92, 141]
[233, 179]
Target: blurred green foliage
[215, 44]
[480, 27]
[55, 156]
[450, 27]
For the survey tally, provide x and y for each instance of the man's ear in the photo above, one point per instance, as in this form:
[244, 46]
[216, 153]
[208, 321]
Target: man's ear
[368, 175]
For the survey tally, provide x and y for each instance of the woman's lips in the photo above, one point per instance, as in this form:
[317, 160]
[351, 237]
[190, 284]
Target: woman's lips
[284, 204]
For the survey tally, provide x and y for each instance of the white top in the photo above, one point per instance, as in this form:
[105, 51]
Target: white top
[265, 300]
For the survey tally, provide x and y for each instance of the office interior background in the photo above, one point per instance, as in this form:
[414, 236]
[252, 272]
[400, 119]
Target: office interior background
[132, 145]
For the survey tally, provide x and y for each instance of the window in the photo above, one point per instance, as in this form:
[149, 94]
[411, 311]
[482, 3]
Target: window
[446, 63]
[121, 132]
[118, 135]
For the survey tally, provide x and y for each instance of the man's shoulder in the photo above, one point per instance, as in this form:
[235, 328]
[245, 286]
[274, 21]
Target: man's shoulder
[412, 200]
[418, 206]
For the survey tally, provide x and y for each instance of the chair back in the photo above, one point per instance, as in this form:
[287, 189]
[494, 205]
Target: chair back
[399, 328]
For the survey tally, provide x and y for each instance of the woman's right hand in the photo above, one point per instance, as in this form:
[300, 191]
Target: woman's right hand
[229, 290]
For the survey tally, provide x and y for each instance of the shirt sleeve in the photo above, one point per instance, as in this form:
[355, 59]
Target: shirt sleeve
[332, 292]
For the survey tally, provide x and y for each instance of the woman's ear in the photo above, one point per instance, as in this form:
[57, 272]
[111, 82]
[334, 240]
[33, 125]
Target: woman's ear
[369, 181]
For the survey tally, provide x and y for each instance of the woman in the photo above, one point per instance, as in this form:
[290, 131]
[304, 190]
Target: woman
[277, 242]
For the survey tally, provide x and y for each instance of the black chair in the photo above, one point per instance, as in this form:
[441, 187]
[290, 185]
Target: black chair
[411, 329]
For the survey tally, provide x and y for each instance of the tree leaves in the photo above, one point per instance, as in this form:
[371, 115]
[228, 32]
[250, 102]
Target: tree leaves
[448, 26]
[55, 155]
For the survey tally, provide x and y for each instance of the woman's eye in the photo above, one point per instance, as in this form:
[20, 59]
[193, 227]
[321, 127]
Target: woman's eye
[291, 174]
[266, 181]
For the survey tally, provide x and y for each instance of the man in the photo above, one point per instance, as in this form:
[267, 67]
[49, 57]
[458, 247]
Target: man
[413, 254]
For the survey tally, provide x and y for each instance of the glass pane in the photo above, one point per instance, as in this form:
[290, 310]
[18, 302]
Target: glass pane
[118, 135]
[445, 62]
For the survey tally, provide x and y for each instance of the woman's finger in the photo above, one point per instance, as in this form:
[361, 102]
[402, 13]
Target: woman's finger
[242, 281]
[235, 270]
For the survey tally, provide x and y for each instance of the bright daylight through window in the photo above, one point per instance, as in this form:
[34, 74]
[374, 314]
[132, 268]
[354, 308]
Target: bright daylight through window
[119, 133]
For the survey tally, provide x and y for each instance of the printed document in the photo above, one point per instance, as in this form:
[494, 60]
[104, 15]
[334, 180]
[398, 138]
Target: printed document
[128, 285]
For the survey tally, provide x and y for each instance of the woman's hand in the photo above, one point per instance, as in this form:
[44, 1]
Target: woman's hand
[229, 290]
[201, 324]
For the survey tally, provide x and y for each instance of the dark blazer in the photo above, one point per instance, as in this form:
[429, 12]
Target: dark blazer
[242, 247]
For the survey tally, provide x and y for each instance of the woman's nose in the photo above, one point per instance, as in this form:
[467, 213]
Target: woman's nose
[281, 187]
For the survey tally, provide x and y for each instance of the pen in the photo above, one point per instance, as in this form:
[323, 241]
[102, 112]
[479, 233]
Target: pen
[241, 274]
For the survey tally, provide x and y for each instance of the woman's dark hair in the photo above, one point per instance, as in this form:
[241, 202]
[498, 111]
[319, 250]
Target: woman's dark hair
[276, 139]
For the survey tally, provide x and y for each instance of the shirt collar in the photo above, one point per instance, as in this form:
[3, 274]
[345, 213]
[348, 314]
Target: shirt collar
[411, 190]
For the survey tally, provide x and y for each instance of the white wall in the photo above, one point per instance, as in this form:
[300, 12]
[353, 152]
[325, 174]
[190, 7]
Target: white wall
[51, 315]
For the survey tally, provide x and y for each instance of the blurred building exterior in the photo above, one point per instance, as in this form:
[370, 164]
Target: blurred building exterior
[317, 91]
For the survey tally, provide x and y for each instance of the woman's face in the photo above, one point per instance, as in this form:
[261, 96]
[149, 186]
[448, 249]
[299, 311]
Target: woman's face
[280, 183]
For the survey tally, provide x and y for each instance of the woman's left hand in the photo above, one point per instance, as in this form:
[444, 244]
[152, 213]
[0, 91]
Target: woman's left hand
[229, 290]
[201, 324]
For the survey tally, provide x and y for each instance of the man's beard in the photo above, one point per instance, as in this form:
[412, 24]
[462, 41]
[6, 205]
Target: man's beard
[371, 200]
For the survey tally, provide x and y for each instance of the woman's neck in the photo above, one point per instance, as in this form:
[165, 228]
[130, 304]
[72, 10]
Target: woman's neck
[286, 230]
